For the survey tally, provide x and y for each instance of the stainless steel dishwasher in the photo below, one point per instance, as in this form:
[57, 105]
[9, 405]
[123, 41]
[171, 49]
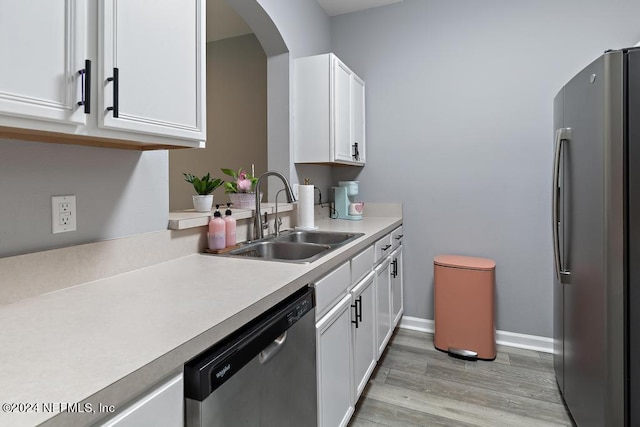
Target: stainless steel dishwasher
[263, 374]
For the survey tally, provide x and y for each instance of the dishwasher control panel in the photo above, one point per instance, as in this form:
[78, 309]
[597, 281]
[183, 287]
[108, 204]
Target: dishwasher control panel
[300, 310]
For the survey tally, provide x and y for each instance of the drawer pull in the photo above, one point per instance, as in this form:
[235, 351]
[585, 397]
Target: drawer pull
[386, 247]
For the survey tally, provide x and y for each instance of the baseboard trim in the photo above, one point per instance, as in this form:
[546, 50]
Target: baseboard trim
[416, 324]
[511, 339]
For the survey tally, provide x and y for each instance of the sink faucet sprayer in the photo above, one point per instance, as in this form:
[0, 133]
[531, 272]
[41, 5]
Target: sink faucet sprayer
[258, 230]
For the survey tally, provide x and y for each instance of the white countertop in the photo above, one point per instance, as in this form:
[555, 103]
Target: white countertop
[108, 340]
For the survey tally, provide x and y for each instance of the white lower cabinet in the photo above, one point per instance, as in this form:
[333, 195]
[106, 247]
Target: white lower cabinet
[357, 308]
[364, 332]
[333, 335]
[163, 406]
[397, 287]
[383, 305]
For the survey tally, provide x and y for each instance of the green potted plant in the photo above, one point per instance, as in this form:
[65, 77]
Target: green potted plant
[204, 186]
[241, 190]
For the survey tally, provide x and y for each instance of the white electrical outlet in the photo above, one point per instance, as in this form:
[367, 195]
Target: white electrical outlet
[63, 214]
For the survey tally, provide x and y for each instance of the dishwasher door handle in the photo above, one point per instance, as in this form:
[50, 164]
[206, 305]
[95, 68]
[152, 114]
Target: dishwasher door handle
[272, 349]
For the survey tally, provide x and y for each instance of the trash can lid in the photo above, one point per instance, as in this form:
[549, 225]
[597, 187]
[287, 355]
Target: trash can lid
[458, 261]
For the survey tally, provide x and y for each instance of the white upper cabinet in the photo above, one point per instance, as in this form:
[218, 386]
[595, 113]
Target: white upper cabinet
[341, 112]
[357, 119]
[329, 114]
[152, 67]
[43, 48]
[155, 99]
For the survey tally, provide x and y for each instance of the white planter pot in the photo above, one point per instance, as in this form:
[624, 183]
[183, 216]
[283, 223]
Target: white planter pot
[203, 203]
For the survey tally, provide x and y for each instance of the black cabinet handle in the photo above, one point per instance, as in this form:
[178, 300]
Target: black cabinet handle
[115, 79]
[355, 306]
[358, 311]
[85, 75]
[356, 153]
[399, 236]
[394, 272]
[386, 247]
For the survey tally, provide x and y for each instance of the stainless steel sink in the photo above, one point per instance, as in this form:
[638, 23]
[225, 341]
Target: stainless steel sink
[282, 251]
[331, 238]
[295, 246]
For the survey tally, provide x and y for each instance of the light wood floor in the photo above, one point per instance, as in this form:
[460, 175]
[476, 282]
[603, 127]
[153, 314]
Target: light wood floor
[417, 385]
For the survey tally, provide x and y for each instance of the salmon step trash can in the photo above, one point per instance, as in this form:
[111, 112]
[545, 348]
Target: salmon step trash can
[464, 306]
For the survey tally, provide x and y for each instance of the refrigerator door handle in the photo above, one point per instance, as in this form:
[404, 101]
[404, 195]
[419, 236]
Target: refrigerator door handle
[562, 274]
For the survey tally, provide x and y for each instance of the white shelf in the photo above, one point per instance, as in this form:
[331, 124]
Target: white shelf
[181, 220]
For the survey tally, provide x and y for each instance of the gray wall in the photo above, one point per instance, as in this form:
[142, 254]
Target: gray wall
[305, 28]
[118, 193]
[236, 119]
[459, 128]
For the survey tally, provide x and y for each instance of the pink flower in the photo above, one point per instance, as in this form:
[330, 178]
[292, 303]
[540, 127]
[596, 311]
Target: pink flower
[244, 184]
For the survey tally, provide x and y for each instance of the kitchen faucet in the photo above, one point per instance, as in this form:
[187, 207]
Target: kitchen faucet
[258, 230]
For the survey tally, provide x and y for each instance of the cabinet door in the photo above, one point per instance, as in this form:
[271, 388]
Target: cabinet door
[335, 396]
[341, 111]
[383, 305]
[364, 332]
[357, 120]
[164, 406]
[157, 48]
[43, 48]
[397, 287]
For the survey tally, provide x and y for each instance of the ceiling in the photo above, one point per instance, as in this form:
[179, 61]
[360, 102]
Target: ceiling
[223, 22]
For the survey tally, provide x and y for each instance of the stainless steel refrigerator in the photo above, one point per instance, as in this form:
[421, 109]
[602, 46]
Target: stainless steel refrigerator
[596, 241]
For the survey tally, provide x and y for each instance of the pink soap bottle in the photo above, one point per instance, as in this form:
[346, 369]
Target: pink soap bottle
[217, 231]
[230, 227]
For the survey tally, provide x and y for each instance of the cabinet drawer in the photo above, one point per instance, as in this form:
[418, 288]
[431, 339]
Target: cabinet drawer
[163, 406]
[332, 287]
[383, 248]
[396, 237]
[361, 264]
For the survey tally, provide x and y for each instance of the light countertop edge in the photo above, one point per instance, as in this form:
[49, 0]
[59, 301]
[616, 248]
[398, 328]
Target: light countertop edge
[283, 280]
